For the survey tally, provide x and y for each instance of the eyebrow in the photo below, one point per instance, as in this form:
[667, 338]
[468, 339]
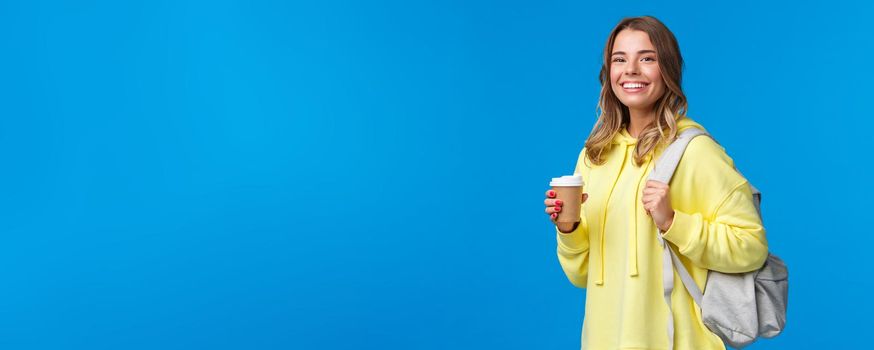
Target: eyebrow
[639, 52]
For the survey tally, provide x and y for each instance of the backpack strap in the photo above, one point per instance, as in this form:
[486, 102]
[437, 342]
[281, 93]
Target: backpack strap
[663, 171]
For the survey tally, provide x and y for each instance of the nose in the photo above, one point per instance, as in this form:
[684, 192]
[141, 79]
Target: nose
[631, 68]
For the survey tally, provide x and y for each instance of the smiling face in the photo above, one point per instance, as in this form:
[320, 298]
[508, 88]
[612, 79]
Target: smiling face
[634, 71]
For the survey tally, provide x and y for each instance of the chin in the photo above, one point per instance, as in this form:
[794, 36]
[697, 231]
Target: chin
[636, 104]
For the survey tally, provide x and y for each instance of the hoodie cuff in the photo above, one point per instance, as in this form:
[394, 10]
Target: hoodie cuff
[574, 241]
[683, 230]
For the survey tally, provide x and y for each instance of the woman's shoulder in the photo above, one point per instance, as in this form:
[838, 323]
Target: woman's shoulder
[702, 147]
[583, 164]
[705, 149]
[707, 162]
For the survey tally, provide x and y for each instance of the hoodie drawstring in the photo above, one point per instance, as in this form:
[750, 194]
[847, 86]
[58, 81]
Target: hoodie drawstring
[633, 249]
[624, 144]
[633, 268]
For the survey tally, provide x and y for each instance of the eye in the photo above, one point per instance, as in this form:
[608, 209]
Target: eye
[618, 59]
[651, 59]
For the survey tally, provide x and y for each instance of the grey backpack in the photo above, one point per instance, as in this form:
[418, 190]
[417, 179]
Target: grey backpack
[737, 307]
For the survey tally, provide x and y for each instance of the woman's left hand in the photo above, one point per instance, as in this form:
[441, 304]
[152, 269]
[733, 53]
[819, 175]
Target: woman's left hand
[657, 203]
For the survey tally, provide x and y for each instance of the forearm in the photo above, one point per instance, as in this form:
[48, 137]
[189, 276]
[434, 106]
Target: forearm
[722, 246]
[573, 252]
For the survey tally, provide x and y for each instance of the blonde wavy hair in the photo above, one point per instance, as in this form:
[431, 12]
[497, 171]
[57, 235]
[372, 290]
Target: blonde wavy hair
[671, 107]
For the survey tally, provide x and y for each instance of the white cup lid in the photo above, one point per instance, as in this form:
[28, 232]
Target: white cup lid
[567, 181]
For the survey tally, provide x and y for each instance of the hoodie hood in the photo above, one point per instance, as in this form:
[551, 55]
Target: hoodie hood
[623, 142]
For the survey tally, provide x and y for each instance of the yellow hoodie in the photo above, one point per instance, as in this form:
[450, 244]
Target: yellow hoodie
[615, 254]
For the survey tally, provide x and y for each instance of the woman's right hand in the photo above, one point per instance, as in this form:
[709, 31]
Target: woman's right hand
[553, 207]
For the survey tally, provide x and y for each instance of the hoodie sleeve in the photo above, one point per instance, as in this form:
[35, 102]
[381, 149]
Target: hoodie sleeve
[573, 247]
[716, 224]
[573, 253]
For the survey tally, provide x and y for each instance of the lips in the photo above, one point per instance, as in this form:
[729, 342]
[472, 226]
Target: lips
[633, 86]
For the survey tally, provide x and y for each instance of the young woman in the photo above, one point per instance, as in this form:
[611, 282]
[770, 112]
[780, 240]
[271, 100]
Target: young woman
[707, 213]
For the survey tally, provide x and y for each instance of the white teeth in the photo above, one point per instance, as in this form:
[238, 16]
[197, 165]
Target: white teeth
[632, 85]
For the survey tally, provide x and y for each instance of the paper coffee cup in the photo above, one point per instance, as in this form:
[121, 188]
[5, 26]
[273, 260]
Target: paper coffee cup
[569, 189]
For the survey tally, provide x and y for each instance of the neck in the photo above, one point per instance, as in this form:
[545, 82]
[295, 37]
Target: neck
[639, 120]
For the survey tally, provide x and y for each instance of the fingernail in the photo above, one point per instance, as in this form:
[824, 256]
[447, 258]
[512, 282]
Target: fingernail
[558, 202]
[553, 215]
[551, 193]
[557, 209]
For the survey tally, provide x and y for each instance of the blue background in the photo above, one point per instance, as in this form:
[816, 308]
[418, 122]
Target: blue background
[331, 174]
